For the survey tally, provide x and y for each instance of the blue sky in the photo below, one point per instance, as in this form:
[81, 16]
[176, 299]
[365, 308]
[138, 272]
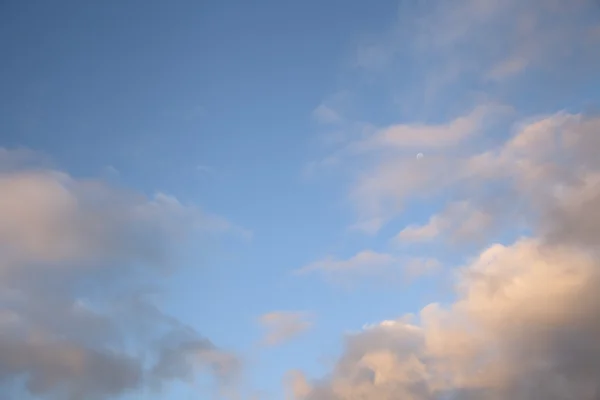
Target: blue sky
[279, 141]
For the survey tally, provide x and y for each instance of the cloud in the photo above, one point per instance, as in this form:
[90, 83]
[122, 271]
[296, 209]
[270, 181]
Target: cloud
[507, 68]
[422, 136]
[19, 158]
[333, 109]
[78, 260]
[459, 222]
[371, 264]
[390, 172]
[526, 317]
[296, 385]
[521, 34]
[110, 172]
[438, 54]
[411, 137]
[282, 326]
[326, 115]
[544, 154]
[524, 325]
[364, 260]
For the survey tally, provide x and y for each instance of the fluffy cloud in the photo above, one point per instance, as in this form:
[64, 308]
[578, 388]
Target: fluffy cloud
[282, 326]
[524, 326]
[79, 258]
[526, 317]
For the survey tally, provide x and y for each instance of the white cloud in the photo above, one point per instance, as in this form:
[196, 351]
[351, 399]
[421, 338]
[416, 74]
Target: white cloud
[283, 326]
[51, 217]
[526, 318]
[422, 136]
[556, 147]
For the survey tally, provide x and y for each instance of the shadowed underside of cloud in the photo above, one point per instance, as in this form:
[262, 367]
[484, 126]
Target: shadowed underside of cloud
[526, 320]
[77, 319]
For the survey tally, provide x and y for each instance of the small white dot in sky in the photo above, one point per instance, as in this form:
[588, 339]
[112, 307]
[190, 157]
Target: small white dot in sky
[419, 156]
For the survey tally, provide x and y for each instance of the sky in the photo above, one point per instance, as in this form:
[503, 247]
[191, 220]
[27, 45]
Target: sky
[332, 200]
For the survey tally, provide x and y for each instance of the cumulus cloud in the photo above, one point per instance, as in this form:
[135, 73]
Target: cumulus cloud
[296, 385]
[282, 326]
[524, 326]
[79, 258]
[526, 317]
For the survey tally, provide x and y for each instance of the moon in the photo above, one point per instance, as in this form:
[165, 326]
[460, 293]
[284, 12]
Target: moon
[419, 156]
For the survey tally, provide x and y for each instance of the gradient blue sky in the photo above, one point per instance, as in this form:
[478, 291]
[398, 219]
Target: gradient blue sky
[267, 114]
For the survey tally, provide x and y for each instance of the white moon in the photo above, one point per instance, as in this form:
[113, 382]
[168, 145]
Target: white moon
[419, 156]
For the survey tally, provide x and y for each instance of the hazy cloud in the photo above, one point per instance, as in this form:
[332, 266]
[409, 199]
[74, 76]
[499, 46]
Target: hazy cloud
[78, 258]
[326, 115]
[372, 265]
[459, 222]
[423, 136]
[282, 326]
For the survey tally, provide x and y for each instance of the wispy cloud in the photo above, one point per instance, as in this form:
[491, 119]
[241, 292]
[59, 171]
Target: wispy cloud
[283, 326]
[526, 313]
[371, 264]
[424, 136]
[460, 221]
[364, 261]
[326, 115]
